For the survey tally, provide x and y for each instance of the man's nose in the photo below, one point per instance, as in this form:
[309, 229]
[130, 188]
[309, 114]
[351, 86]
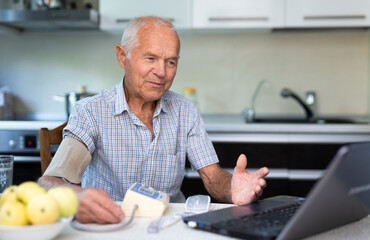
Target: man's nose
[160, 69]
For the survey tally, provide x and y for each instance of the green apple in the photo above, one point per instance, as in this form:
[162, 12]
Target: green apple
[43, 209]
[13, 213]
[10, 194]
[28, 190]
[67, 200]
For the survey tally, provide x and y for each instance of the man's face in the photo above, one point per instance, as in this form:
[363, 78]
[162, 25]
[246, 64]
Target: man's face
[150, 71]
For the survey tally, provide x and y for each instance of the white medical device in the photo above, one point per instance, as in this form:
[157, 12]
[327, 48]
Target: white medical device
[150, 202]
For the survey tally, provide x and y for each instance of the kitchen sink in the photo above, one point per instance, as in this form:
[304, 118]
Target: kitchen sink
[249, 114]
[295, 120]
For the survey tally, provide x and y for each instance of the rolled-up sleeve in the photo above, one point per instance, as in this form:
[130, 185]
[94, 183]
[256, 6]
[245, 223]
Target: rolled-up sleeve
[200, 150]
[81, 126]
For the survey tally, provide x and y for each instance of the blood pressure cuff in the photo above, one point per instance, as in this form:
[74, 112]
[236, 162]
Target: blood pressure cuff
[70, 161]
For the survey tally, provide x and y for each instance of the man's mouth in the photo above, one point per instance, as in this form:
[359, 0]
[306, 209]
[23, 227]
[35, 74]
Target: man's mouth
[155, 84]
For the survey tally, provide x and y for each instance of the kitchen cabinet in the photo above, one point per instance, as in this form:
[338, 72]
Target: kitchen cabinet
[296, 154]
[294, 168]
[114, 15]
[327, 13]
[7, 31]
[238, 13]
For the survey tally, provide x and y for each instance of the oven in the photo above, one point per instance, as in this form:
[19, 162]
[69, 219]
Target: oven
[21, 139]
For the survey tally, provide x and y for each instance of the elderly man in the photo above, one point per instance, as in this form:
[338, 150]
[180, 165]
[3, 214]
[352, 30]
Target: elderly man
[141, 132]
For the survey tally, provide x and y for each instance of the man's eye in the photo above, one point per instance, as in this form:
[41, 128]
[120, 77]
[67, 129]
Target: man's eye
[172, 63]
[151, 58]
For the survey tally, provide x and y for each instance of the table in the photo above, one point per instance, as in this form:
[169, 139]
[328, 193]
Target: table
[137, 230]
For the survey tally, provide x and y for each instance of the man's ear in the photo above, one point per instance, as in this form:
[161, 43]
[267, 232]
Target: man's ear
[121, 55]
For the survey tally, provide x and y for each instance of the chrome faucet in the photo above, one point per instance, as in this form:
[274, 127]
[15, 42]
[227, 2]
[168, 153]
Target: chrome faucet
[311, 100]
[249, 113]
[285, 92]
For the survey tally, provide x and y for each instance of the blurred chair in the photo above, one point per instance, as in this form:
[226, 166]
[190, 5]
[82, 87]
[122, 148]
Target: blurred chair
[46, 138]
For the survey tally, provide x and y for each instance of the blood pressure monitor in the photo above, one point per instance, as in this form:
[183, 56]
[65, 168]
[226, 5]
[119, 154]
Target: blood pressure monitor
[150, 202]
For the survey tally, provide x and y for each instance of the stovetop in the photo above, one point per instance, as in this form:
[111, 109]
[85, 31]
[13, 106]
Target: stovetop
[28, 125]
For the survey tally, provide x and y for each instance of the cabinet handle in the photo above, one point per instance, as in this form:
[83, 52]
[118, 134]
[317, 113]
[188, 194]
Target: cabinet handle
[309, 174]
[126, 20]
[232, 19]
[122, 20]
[26, 159]
[334, 17]
[275, 173]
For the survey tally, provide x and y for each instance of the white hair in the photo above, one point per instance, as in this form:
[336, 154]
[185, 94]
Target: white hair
[131, 33]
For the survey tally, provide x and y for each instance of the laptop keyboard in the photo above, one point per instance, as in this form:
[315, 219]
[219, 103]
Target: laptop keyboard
[267, 221]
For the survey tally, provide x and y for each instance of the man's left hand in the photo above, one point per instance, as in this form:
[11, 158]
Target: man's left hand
[247, 187]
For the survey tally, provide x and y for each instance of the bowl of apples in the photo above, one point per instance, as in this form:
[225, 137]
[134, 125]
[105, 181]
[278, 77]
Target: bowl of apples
[29, 211]
[32, 232]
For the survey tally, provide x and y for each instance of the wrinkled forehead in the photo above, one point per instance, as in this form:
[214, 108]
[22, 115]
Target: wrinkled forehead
[159, 33]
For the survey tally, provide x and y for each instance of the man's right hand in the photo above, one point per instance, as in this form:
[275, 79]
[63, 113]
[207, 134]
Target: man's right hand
[95, 205]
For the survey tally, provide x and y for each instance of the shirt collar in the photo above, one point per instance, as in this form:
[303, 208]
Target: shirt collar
[122, 105]
[161, 106]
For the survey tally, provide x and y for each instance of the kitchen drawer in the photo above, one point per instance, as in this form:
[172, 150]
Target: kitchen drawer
[277, 155]
[294, 168]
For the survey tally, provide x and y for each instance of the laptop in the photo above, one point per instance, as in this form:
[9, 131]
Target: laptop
[340, 197]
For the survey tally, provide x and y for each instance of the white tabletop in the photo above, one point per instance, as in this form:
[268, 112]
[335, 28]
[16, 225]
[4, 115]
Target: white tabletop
[137, 230]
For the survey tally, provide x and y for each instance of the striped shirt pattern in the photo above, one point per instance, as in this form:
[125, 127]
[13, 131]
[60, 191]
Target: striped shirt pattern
[121, 145]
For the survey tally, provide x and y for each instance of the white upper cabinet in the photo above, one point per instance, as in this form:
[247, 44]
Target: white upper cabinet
[114, 14]
[327, 13]
[238, 13]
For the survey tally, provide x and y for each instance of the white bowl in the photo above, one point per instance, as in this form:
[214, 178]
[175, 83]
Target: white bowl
[32, 232]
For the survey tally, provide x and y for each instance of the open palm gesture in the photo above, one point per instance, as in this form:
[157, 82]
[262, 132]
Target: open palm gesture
[246, 186]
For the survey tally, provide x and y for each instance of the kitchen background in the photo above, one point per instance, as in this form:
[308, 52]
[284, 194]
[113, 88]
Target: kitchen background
[224, 67]
[227, 49]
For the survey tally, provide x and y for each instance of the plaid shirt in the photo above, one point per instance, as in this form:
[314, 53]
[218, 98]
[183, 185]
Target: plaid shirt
[121, 145]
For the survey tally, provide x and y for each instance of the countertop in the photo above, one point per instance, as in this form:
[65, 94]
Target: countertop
[223, 123]
[179, 230]
[28, 125]
[232, 128]
[236, 123]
